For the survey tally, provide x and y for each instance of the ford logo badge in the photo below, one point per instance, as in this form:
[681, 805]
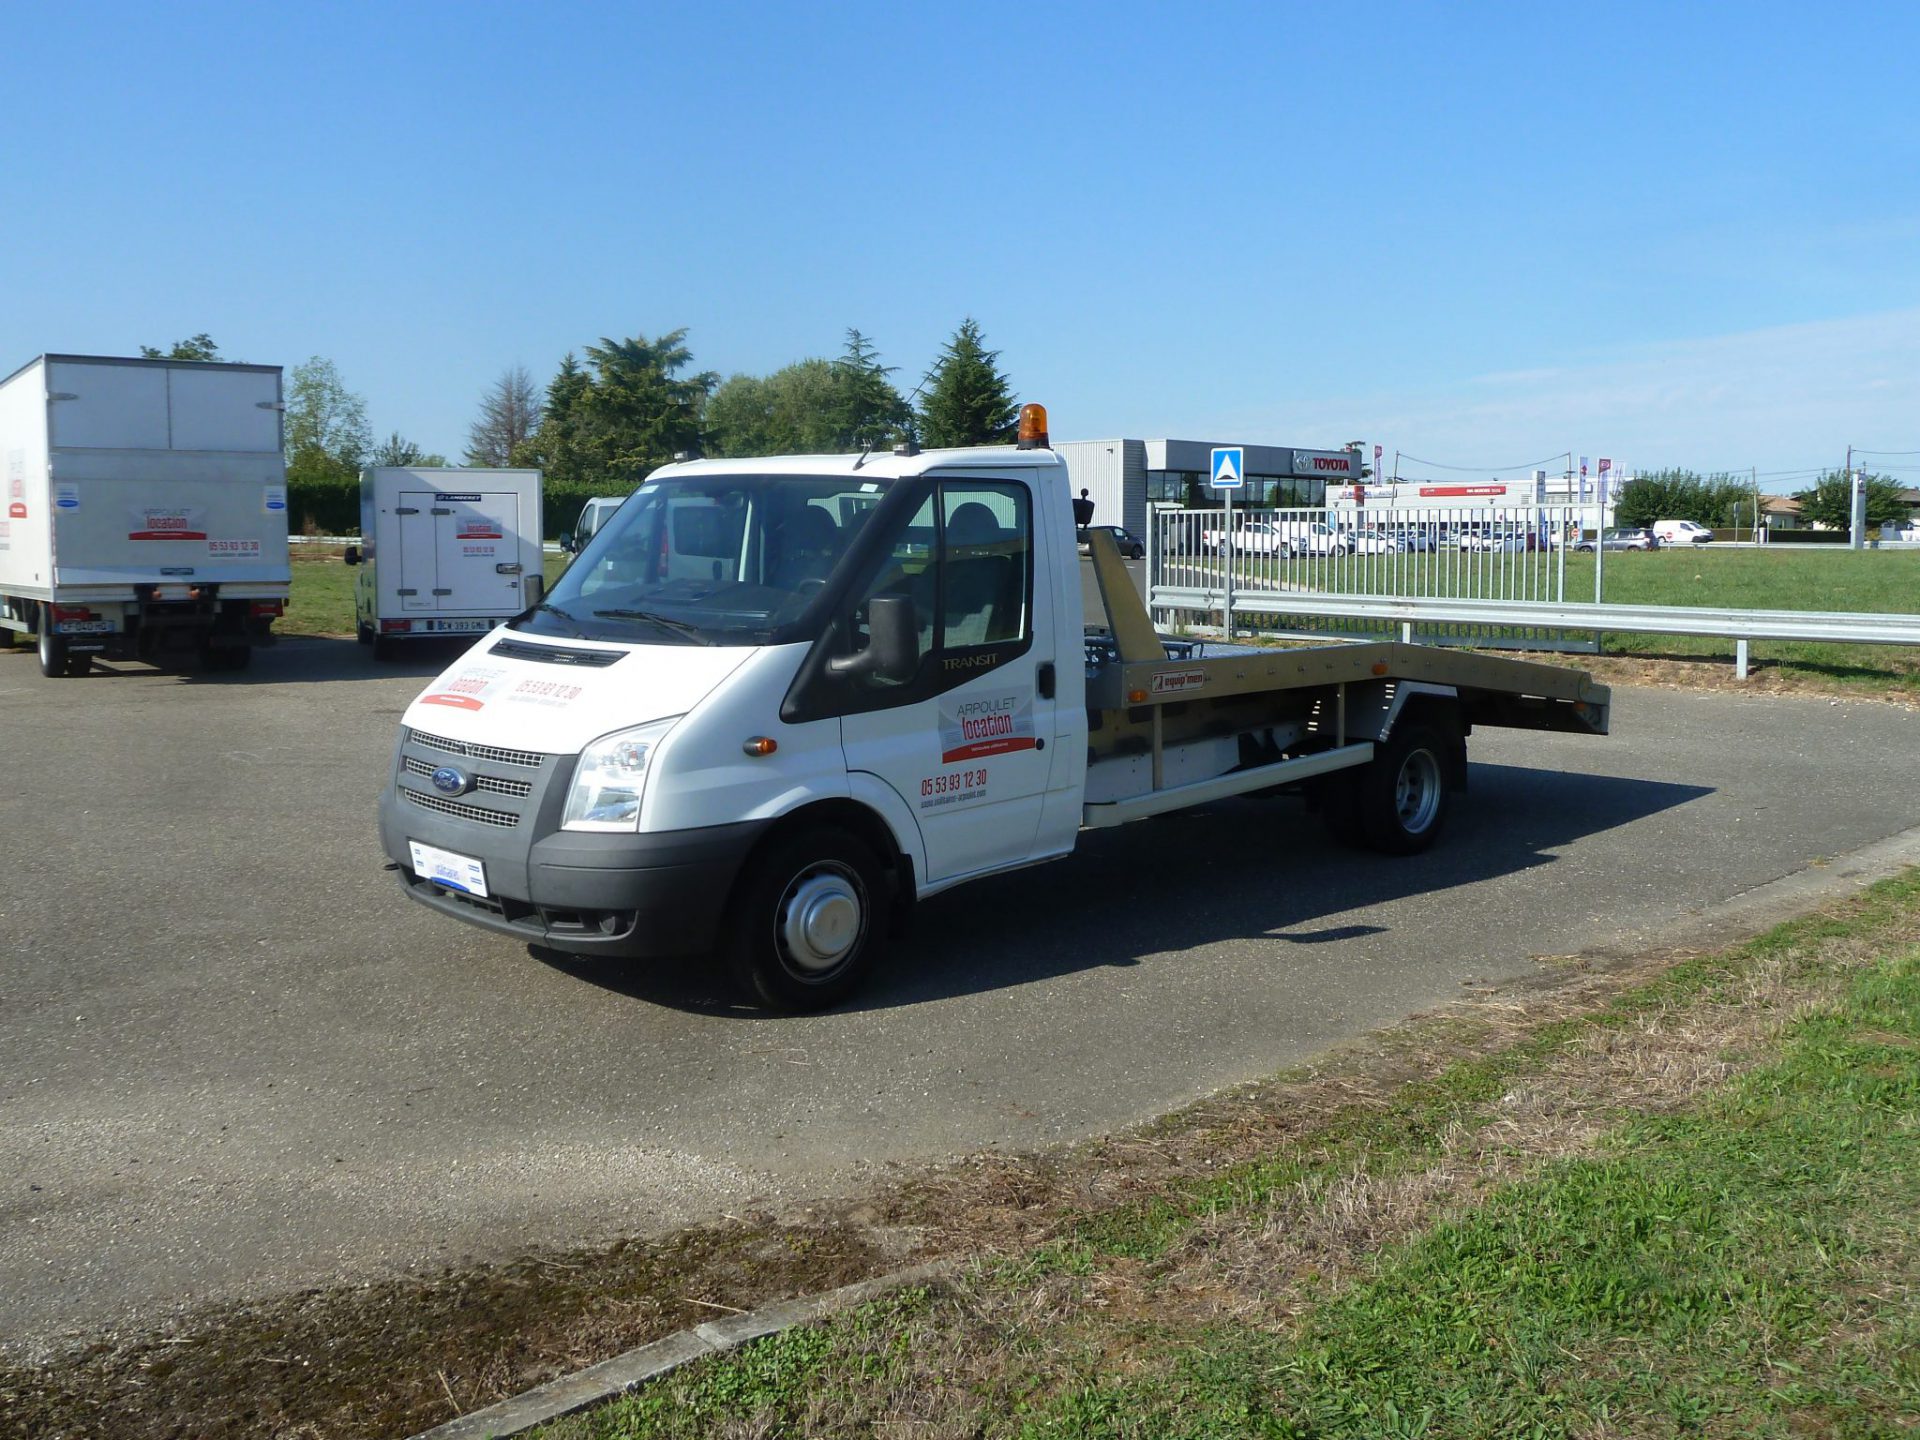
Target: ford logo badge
[452, 780]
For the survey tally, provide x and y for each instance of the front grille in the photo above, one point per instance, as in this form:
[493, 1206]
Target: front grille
[530, 759]
[479, 815]
[490, 784]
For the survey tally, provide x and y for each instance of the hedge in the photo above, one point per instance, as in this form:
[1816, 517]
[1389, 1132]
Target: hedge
[332, 507]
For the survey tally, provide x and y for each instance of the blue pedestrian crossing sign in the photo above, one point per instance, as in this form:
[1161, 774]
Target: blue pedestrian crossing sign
[1229, 467]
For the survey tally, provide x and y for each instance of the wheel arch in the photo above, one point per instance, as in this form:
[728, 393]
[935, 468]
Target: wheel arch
[1440, 707]
[857, 819]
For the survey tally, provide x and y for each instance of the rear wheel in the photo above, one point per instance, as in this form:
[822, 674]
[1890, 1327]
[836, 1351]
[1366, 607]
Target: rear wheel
[808, 919]
[54, 657]
[1401, 796]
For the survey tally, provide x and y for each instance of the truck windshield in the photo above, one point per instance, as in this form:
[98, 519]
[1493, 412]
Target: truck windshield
[709, 560]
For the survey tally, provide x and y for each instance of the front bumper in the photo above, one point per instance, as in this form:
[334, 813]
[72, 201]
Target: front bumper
[623, 896]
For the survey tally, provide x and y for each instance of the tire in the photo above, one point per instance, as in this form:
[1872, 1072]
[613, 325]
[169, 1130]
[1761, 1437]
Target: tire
[808, 919]
[1400, 798]
[364, 634]
[55, 660]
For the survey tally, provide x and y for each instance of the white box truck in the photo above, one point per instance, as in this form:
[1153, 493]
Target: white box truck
[775, 701]
[146, 509]
[444, 551]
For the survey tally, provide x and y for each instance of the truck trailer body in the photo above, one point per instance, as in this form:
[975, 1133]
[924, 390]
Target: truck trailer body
[146, 509]
[775, 701]
[444, 551]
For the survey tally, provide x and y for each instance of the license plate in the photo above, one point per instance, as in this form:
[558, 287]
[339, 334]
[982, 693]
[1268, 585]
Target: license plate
[459, 627]
[83, 627]
[444, 867]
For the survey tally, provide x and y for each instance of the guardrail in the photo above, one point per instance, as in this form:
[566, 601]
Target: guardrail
[1509, 592]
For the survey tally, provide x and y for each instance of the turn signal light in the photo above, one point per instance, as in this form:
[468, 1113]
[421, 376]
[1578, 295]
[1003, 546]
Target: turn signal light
[1379, 667]
[761, 745]
[1033, 428]
[1136, 697]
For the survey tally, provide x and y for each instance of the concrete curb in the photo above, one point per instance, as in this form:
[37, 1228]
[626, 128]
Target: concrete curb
[623, 1373]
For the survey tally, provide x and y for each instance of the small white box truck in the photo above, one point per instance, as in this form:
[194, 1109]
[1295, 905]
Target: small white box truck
[775, 701]
[145, 509]
[444, 551]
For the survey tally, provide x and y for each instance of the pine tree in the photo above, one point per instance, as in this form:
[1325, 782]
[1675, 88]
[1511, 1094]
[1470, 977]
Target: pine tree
[871, 411]
[968, 400]
[509, 415]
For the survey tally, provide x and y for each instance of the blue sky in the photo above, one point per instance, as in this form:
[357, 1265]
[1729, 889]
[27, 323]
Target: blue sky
[1477, 235]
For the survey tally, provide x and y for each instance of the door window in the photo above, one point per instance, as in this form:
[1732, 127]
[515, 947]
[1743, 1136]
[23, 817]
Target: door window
[965, 559]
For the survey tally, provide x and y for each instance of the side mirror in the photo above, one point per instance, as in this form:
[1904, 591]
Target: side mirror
[893, 648]
[566, 542]
[352, 557]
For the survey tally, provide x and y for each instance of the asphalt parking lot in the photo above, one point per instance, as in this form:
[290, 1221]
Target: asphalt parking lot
[234, 1060]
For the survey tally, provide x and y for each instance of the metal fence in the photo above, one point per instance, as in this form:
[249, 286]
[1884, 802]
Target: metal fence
[1472, 576]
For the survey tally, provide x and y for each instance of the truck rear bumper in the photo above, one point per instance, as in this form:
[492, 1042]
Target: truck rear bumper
[622, 896]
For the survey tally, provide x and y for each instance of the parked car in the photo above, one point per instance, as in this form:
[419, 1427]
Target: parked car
[593, 515]
[1511, 538]
[1374, 542]
[1130, 546]
[1681, 532]
[1627, 539]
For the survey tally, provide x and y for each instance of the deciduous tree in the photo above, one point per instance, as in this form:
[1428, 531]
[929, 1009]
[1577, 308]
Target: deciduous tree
[327, 434]
[1829, 501]
[200, 347]
[396, 450]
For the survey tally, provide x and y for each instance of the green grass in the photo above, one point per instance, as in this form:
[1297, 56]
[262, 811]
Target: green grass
[1778, 577]
[1748, 1264]
[320, 601]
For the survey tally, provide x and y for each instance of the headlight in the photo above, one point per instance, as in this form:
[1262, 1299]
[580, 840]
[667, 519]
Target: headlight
[609, 778]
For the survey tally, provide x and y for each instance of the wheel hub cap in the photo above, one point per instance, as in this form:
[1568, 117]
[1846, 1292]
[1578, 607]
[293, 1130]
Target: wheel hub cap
[821, 922]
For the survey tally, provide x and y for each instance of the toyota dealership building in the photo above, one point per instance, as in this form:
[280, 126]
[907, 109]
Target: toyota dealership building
[1127, 478]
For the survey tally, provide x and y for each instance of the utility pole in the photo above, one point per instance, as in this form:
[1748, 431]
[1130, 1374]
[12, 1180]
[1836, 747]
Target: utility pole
[1755, 476]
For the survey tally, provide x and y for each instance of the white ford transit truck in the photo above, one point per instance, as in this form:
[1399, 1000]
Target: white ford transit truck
[773, 702]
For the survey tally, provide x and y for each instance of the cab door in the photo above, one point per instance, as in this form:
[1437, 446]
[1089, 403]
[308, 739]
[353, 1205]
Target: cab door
[964, 742]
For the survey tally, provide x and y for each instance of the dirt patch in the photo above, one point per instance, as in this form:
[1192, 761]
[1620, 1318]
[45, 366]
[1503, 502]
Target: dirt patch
[392, 1358]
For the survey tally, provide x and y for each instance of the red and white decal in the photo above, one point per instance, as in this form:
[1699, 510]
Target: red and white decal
[168, 522]
[554, 694]
[469, 689]
[974, 729]
[1463, 489]
[1173, 682]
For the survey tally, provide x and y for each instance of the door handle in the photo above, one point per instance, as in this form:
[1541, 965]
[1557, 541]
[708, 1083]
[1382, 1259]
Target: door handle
[1043, 678]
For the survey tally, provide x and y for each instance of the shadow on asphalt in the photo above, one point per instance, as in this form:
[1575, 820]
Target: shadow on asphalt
[294, 659]
[1239, 870]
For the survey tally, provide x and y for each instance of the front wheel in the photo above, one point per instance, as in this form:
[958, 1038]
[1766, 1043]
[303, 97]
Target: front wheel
[808, 919]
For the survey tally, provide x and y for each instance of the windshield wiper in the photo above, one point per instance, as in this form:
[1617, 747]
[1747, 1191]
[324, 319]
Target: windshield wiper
[578, 633]
[665, 622]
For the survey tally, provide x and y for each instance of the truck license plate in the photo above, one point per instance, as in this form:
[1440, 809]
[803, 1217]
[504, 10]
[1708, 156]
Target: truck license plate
[459, 627]
[83, 627]
[444, 867]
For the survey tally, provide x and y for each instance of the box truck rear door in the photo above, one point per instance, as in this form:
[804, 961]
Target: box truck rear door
[419, 563]
[474, 535]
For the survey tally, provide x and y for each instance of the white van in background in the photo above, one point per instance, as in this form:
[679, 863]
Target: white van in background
[1680, 532]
